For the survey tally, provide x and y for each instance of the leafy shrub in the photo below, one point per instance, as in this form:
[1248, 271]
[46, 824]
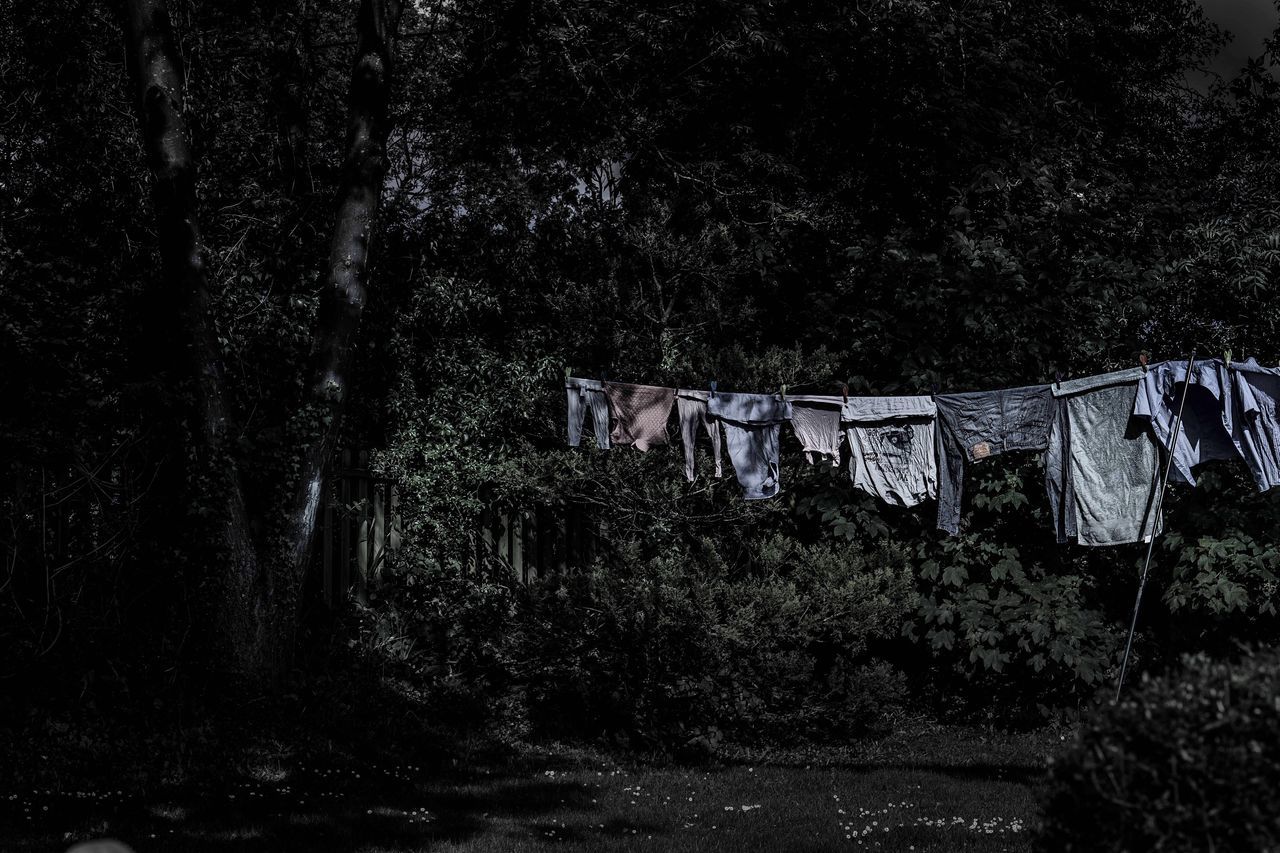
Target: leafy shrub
[441, 636]
[671, 653]
[1187, 762]
[1000, 607]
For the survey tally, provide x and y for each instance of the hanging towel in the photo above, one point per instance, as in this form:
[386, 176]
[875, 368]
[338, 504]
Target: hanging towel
[892, 449]
[640, 413]
[586, 394]
[1254, 424]
[974, 426]
[692, 407]
[1205, 433]
[1101, 466]
[816, 421]
[752, 423]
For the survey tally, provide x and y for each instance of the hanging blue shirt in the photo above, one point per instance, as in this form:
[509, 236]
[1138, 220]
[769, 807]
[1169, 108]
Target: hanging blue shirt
[1205, 433]
[1252, 420]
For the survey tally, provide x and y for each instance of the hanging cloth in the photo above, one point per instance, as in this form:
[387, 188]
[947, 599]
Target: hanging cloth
[1101, 466]
[752, 423]
[640, 413]
[692, 408]
[892, 447]
[816, 421]
[584, 394]
[1205, 433]
[980, 424]
[1254, 424]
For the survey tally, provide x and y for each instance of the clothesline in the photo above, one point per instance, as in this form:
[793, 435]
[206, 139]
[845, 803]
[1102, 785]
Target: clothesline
[1100, 437]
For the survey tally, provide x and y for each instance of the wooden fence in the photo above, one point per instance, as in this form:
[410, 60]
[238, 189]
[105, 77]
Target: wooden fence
[529, 543]
[360, 528]
[72, 514]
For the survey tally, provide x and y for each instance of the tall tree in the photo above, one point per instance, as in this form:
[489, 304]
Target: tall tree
[255, 591]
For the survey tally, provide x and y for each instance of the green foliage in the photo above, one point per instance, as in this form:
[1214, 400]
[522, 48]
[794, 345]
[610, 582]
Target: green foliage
[669, 652]
[1187, 762]
[1225, 561]
[1011, 609]
[894, 195]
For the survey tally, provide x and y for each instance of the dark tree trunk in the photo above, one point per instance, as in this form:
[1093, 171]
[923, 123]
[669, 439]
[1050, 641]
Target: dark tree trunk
[231, 582]
[256, 594]
[343, 299]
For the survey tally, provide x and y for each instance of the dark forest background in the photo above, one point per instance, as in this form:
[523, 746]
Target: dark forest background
[896, 196]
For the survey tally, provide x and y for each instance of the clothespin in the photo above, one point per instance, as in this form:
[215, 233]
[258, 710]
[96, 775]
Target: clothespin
[604, 376]
[568, 372]
[783, 392]
[844, 389]
[1057, 378]
[713, 386]
[1142, 360]
[933, 388]
[1226, 357]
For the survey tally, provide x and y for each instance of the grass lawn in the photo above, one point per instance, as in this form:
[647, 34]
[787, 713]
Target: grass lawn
[940, 791]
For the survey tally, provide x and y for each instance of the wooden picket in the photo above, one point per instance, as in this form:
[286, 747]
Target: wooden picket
[360, 527]
[530, 542]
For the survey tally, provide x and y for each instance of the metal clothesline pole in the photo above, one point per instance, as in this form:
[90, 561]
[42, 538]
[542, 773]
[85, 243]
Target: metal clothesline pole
[1155, 523]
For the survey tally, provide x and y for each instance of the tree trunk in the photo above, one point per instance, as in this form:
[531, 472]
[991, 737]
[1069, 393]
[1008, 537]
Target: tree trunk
[343, 299]
[229, 571]
[256, 595]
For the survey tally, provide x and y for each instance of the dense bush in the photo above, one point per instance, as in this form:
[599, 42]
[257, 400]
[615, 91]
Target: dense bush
[670, 653]
[1187, 762]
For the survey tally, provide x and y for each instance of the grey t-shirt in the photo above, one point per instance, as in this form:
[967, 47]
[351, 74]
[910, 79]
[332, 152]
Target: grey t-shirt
[816, 421]
[1101, 466]
[892, 451]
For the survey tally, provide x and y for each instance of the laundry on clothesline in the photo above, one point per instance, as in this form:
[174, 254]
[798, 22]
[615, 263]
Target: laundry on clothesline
[981, 424]
[1204, 435]
[752, 424]
[1101, 469]
[816, 421]
[892, 447]
[692, 407]
[1254, 426]
[587, 394]
[1102, 439]
[640, 414]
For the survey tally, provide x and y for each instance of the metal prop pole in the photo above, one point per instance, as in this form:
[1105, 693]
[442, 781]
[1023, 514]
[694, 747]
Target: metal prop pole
[1155, 522]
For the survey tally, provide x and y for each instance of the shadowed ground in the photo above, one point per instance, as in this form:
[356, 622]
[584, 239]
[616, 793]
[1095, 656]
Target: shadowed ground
[946, 791]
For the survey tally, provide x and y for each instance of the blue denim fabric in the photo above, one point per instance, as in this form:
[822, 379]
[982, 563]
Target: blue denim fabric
[584, 394]
[979, 424]
[752, 423]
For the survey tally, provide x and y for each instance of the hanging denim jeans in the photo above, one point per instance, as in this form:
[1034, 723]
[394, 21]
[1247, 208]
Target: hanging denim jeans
[980, 424]
[586, 394]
